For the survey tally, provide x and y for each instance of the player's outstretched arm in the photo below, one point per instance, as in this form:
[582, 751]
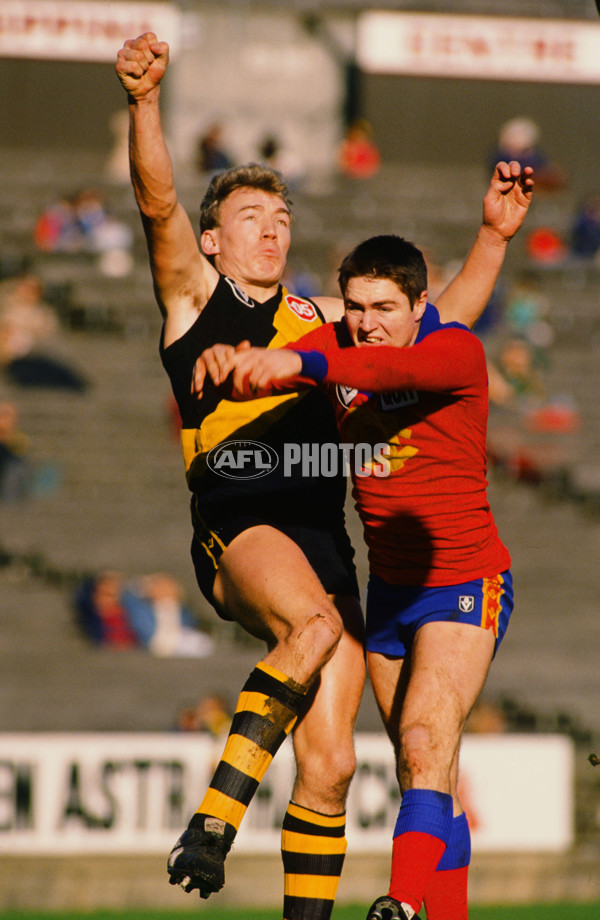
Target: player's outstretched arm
[175, 258]
[505, 207]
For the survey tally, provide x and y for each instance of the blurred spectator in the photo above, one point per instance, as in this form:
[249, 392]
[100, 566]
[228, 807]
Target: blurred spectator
[101, 230]
[56, 229]
[546, 247]
[148, 611]
[211, 715]
[16, 472]
[81, 223]
[161, 620]
[212, 155]
[26, 323]
[585, 232]
[519, 139]
[101, 613]
[526, 314]
[515, 378]
[358, 155]
[530, 436]
[272, 153]
[103, 234]
[26, 319]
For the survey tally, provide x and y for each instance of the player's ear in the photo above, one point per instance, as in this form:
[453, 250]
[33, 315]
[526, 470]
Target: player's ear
[210, 242]
[419, 307]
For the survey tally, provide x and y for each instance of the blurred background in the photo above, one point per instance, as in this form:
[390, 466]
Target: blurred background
[383, 119]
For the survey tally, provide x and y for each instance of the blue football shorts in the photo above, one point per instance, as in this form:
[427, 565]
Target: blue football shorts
[396, 612]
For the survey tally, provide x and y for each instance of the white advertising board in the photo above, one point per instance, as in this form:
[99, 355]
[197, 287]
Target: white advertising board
[112, 793]
[81, 30]
[479, 47]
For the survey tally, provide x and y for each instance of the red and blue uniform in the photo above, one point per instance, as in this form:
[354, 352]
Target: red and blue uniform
[434, 549]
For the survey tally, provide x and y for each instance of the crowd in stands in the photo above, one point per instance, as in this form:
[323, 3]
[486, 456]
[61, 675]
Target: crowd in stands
[81, 223]
[520, 139]
[549, 245]
[29, 333]
[358, 156]
[148, 612]
[532, 430]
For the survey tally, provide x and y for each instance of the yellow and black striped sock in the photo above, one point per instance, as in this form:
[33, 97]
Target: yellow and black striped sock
[266, 712]
[313, 847]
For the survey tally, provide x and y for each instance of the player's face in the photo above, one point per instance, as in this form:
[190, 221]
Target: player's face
[252, 240]
[378, 313]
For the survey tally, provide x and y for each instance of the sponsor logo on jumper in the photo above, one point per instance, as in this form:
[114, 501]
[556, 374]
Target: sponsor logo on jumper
[398, 400]
[302, 308]
[237, 292]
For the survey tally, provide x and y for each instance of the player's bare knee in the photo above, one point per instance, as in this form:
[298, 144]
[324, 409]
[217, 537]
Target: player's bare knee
[417, 750]
[327, 774]
[338, 766]
[322, 632]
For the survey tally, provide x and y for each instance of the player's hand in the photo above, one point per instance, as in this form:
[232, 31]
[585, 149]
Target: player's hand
[257, 369]
[507, 199]
[216, 362]
[141, 64]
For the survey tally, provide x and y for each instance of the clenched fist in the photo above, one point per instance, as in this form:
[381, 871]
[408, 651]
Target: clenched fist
[141, 64]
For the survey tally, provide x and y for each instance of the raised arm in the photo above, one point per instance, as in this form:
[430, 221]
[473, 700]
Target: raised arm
[505, 206]
[450, 360]
[183, 278]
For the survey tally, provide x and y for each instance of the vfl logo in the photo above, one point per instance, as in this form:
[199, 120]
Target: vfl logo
[466, 603]
[398, 400]
[302, 308]
[242, 460]
[237, 292]
[345, 395]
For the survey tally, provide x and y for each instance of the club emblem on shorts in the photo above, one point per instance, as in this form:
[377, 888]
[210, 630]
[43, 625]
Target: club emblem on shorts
[242, 459]
[466, 603]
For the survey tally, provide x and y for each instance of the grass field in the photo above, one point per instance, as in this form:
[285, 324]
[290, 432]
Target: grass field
[577, 911]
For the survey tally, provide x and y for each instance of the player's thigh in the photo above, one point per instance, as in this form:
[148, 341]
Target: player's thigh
[264, 581]
[449, 663]
[323, 739]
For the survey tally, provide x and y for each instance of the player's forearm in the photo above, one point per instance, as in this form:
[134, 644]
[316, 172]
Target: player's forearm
[468, 294]
[150, 162]
[444, 364]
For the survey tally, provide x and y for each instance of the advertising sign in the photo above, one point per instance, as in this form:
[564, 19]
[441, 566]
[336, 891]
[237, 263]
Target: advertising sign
[112, 793]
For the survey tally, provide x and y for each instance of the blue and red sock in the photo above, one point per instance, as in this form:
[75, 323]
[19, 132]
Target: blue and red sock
[422, 831]
[446, 892]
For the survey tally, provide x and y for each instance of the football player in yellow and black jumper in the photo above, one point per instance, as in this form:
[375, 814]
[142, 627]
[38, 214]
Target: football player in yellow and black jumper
[270, 549]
